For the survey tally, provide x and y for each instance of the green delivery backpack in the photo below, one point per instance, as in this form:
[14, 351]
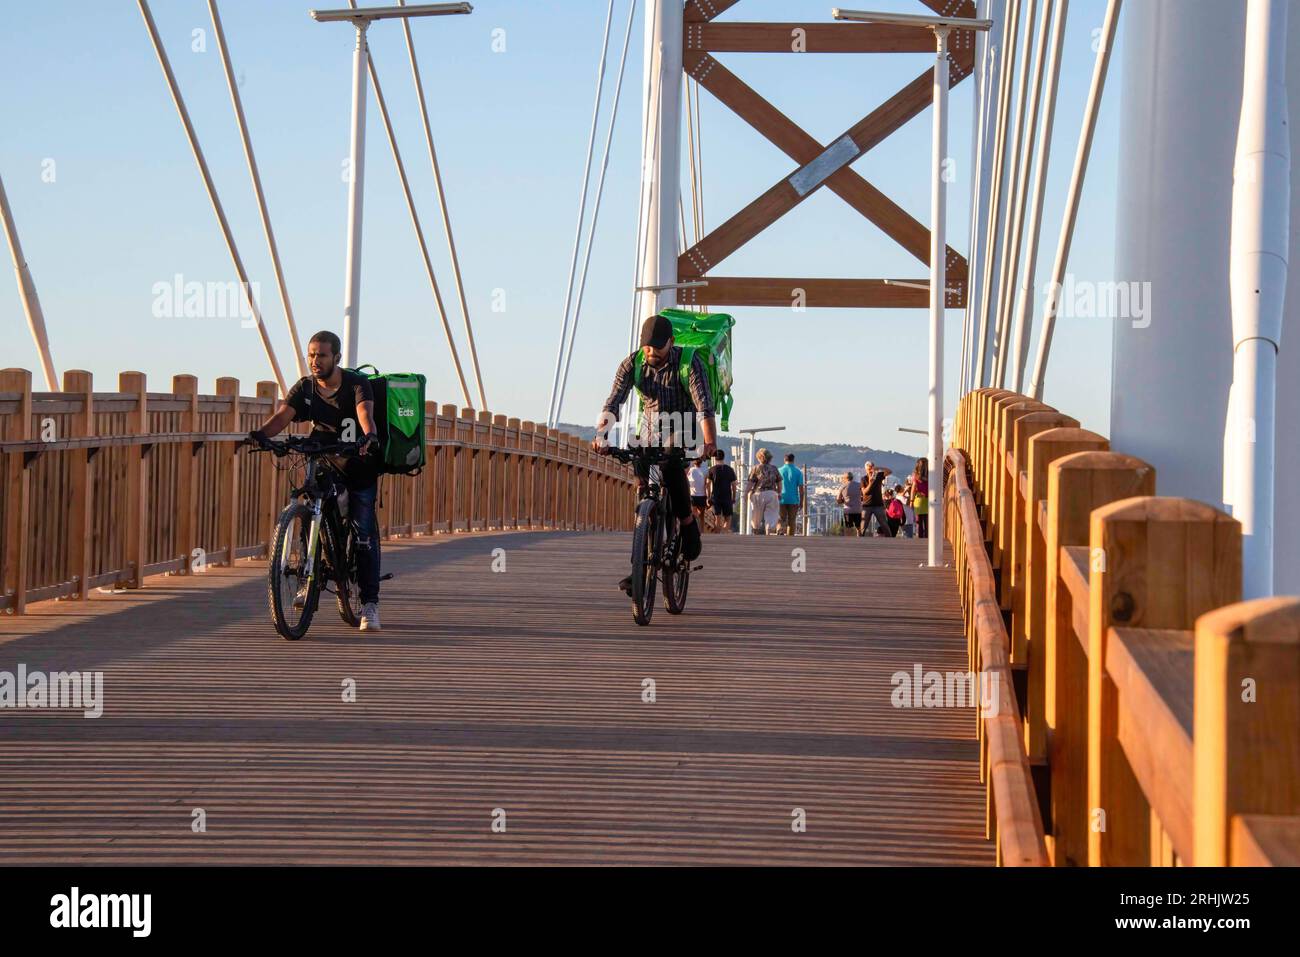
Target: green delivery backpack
[399, 419]
[709, 334]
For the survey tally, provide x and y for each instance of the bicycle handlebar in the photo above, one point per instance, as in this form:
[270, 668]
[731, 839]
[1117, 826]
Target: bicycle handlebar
[654, 455]
[305, 445]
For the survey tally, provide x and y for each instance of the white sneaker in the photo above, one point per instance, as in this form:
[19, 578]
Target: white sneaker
[300, 599]
[370, 616]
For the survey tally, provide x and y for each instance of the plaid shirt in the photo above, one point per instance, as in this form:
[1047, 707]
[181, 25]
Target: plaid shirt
[664, 394]
[764, 477]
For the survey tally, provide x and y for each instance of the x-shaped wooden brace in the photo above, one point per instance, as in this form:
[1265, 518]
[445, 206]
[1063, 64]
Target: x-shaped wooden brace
[819, 166]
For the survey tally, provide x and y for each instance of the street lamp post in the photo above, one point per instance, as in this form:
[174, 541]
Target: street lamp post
[941, 26]
[361, 18]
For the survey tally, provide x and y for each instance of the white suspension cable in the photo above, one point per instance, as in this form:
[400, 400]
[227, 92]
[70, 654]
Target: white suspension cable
[238, 104]
[1073, 194]
[1007, 303]
[415, 221]
[582, 210]
[1024, 295]
[595, 209]
[442, 205]
[208, 184]
[27, 292]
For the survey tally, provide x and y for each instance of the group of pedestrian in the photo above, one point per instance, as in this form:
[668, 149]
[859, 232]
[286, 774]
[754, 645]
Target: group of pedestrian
[775, 495]
[896, 509]
[713, 491]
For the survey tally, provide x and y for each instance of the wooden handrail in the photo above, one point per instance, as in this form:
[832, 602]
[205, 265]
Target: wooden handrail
[160, 482]
[1017, 821]
[1115, 604]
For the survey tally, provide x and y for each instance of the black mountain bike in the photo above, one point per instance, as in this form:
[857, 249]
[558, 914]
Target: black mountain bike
[656, 538]
[313, 548]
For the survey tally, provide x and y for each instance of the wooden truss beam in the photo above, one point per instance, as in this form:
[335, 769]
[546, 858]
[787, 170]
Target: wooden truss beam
[816, 293]
[807, 38]
[702, 11]
[788, 137]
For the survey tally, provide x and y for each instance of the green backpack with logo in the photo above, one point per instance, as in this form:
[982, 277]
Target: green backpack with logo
[399, 419]
[709, 335]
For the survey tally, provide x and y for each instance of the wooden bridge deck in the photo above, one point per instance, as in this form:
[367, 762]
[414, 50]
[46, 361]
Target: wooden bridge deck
[519, 690]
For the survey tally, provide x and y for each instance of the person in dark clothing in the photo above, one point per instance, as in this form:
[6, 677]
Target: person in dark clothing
[340, 405]
[673, 409]
[721, 483]
[873, 500]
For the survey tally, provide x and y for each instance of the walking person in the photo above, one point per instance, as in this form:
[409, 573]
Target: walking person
[764, 491]
[873, 499]
[850, 496]
[720, 486]
[699, 499]
[894, 509]
[921, 497]
[791, 494]
[909, 511]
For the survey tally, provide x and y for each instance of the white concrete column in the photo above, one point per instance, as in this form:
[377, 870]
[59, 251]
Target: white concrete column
[661, 149]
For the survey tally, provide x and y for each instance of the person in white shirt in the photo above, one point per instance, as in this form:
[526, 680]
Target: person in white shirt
[699, 500]
[909, 513]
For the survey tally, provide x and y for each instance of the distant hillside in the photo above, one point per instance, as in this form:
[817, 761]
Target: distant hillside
[832, 456]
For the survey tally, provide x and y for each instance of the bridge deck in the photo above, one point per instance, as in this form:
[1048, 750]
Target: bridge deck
[519, 690]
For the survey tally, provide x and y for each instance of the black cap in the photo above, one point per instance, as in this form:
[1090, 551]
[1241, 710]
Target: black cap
[656, 331]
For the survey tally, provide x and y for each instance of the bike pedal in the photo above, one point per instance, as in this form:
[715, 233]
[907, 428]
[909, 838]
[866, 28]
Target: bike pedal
[384, 578]
[697, 568]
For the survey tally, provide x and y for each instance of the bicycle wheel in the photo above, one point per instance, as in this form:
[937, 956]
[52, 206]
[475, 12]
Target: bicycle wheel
[677, 572]
[286, 574]
[647, 544]
[346, 589]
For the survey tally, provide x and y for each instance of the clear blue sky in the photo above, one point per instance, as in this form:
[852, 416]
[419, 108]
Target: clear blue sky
[127, 208]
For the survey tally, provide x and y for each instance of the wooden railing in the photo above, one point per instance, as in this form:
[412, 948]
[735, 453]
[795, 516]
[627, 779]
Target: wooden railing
[107, 488]
[1158, 715]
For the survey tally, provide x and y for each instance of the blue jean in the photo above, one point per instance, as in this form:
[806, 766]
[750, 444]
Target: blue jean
[361, 511]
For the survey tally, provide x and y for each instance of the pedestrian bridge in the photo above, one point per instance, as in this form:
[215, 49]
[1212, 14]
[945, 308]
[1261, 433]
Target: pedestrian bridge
[511, 712]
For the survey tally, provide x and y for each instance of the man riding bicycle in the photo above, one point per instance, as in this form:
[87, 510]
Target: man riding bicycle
[672, 408]
[340, 403]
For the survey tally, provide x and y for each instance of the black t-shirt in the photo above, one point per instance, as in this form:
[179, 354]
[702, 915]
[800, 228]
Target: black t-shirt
[722, 477]
[871, 495]
[330, 414]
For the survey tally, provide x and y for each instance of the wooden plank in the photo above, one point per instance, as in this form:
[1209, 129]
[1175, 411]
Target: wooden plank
[1152, 671]
[268, 487]
[1247, 721]
[1160, 563]
[80, 384]
[211, 706]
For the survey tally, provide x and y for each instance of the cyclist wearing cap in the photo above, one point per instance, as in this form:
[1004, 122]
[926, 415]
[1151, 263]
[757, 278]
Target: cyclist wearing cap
[340, 403]
[673, 409]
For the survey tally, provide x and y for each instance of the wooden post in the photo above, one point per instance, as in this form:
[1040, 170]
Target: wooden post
[485, 463]
[430, 477]
[78, 384]
[1005, 488]
[1155, 563]
[1029, 616]
[452, 453]
[513, 482]
[1024, 428]
[17, 490]
[550, 504]
[270, 504]
[186, 387]
[137, 479]
[1246, 738]
[528, 442]
[1076, 484]
[228, 507]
